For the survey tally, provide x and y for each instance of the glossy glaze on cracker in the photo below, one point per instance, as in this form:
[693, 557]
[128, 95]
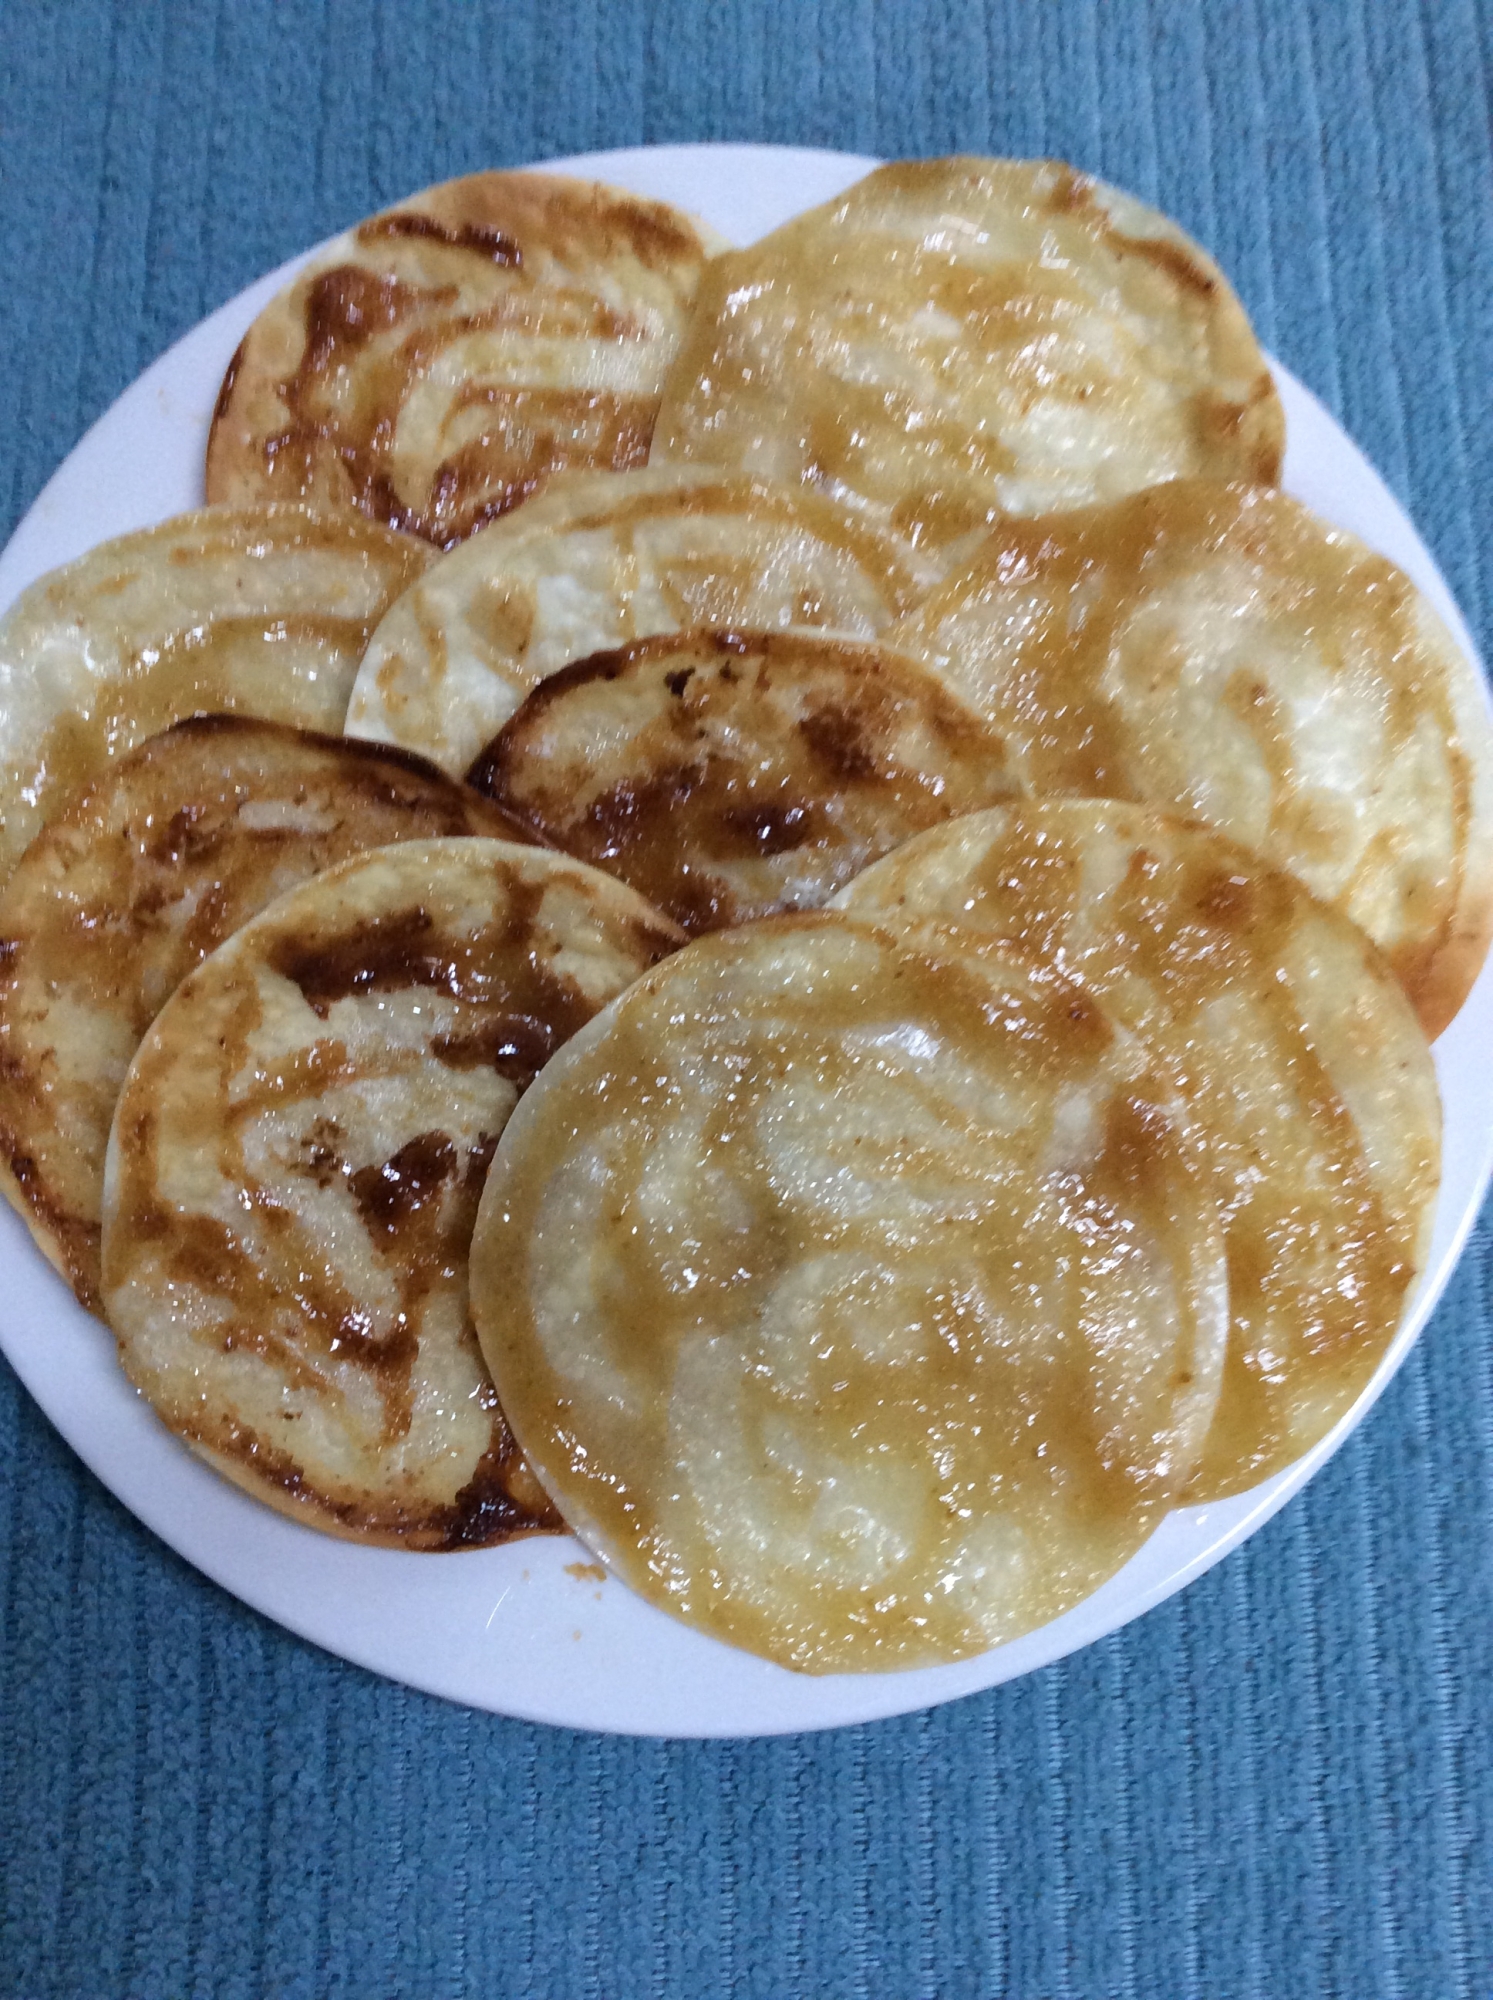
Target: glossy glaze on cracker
[146, 872]
[441, 360]
[264, 611]
[1221, 652]
[1301, 1057]
[859, 1306]
[295, 1166]
[598, 560]
[732, 775]
[952, 341]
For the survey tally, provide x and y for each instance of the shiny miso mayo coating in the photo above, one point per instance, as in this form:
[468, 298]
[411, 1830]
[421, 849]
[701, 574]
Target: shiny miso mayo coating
[950, 342]
[294, 1167]
[1221, 652]
[859, 1307]
[598, 560]
[1301, 1057]
[433, 366]
[260, 611]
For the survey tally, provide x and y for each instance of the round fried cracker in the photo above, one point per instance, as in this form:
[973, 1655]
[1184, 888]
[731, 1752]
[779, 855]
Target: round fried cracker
[857, 1305]
[731, 775]
[1219, 651]
[1302, 1058]
[435, 364]
[600, 559]
[294, 1170]
[132, 885]
[955, 340]
[262, 610]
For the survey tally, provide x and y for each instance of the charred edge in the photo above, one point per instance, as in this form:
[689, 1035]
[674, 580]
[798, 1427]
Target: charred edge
[375, 760]
[512, 825]
[275, 1468]
[423, 1527]
[494, 244]
[229, 382]
[1179, 264]
[486, 1510]
[75, 1244]
[1074, 193]
[268, 1465]
[487, 771]
[477, 815]
[489, 777]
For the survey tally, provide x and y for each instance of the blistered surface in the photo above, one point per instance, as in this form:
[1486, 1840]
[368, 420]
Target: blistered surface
[129, 888]
[1304, 1064]
[437, 363]
[955, 340]
[731, 775]
[601, 559]
[1222, 652]
[260, 610]
[860, 1307]
[294, 1170]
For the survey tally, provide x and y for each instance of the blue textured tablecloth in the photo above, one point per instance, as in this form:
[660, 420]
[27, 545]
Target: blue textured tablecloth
[1279, 1784]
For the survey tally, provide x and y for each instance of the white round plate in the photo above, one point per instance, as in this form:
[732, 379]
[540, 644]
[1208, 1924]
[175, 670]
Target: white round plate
[532, 1630]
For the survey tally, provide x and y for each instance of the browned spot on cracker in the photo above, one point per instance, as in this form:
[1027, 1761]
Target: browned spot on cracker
[727, 774]
[318, 405]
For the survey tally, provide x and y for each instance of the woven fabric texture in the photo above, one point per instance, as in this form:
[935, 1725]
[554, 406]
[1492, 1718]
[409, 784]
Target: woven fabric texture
[1278, 1784]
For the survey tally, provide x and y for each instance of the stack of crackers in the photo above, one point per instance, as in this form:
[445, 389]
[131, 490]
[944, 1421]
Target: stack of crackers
[770, 904]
